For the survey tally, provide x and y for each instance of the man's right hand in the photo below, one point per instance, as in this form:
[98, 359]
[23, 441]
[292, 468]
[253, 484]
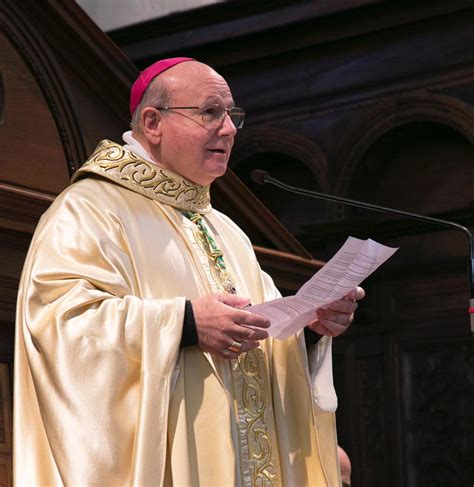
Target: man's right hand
[220, 324]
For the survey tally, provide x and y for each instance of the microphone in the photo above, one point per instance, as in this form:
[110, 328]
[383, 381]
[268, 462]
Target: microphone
[261, 177]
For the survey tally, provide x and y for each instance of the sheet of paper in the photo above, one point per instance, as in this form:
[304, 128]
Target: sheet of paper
[351, 264]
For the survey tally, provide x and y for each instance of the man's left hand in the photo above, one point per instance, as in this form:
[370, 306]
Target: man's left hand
[334, 319]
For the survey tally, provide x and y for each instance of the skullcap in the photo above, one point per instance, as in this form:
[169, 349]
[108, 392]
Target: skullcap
[146, 77]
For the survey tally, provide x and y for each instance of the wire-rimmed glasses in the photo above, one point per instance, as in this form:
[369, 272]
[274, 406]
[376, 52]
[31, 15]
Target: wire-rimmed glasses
[212, 114]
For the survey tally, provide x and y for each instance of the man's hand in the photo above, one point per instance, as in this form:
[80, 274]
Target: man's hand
[220, 324]
[334, 319]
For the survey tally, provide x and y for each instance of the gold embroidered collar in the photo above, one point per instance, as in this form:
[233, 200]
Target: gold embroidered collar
[113, 162]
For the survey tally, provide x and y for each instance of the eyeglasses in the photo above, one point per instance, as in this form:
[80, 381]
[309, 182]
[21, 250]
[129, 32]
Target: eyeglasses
[213, 114]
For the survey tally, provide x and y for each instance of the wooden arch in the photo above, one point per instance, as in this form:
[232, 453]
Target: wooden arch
[395, 112]
[259, 140]
[36, 53]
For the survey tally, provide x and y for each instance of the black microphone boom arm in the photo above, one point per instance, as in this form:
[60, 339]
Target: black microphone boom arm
[261, 177]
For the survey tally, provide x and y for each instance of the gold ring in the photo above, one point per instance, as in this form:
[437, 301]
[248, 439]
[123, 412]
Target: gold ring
[235, 347]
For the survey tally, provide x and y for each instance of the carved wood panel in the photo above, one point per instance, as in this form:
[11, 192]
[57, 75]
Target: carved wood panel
[29, 135]
[436, 405]
[5, 427]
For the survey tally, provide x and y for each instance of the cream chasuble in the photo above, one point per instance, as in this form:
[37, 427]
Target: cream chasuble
[104, 396]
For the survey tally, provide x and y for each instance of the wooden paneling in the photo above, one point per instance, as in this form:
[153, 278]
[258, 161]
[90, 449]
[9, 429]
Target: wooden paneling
[435, 408]
[31, 152]
[5, 471]
[5, 427]
[5, 411]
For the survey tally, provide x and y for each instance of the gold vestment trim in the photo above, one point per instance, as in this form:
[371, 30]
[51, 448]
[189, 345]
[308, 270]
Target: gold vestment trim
[113, 162]
[251, 403]
[250, 394]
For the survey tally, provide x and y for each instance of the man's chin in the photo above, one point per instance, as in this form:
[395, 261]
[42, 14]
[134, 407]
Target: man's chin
[214, 172]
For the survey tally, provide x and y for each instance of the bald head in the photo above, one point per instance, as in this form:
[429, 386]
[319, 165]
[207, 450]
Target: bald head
[183, 74]
[177, 79]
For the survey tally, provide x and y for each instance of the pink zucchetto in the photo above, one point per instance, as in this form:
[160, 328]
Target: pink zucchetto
[147, 75]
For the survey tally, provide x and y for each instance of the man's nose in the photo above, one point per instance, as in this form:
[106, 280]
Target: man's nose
[227, 127]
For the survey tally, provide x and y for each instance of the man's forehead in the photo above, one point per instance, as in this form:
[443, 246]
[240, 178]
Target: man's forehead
[193, 73]
[200, 82]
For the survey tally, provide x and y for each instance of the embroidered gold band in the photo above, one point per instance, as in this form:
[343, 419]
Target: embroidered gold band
[112, 161]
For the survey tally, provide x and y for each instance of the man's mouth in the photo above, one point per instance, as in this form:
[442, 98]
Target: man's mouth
[217, 151]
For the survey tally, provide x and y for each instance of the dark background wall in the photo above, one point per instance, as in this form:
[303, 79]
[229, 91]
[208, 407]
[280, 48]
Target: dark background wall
[371, 100]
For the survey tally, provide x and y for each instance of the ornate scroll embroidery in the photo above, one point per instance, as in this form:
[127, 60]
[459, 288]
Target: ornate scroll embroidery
[252, 407]
[248, 373]
[112, 161]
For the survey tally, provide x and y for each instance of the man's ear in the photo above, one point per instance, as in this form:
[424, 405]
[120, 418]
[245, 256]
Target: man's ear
[151, 121]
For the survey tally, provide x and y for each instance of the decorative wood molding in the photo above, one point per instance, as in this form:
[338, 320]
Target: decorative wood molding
[91, 49]
[318, 87]
[22, 204]
[262, 29]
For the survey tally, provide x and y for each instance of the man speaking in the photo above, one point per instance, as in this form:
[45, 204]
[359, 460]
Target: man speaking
[136, 361]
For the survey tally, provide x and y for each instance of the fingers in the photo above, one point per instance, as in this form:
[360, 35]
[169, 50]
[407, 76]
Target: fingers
[335, 319]
[233, 352]
[251, 319]
[232, 300]
[318, 327]
[327, 327]
[220, 324]
[332, 328]
[241, 339]
[247, 346]
[245, 334]
[330, 315]
[356, 294]
[343, 306]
